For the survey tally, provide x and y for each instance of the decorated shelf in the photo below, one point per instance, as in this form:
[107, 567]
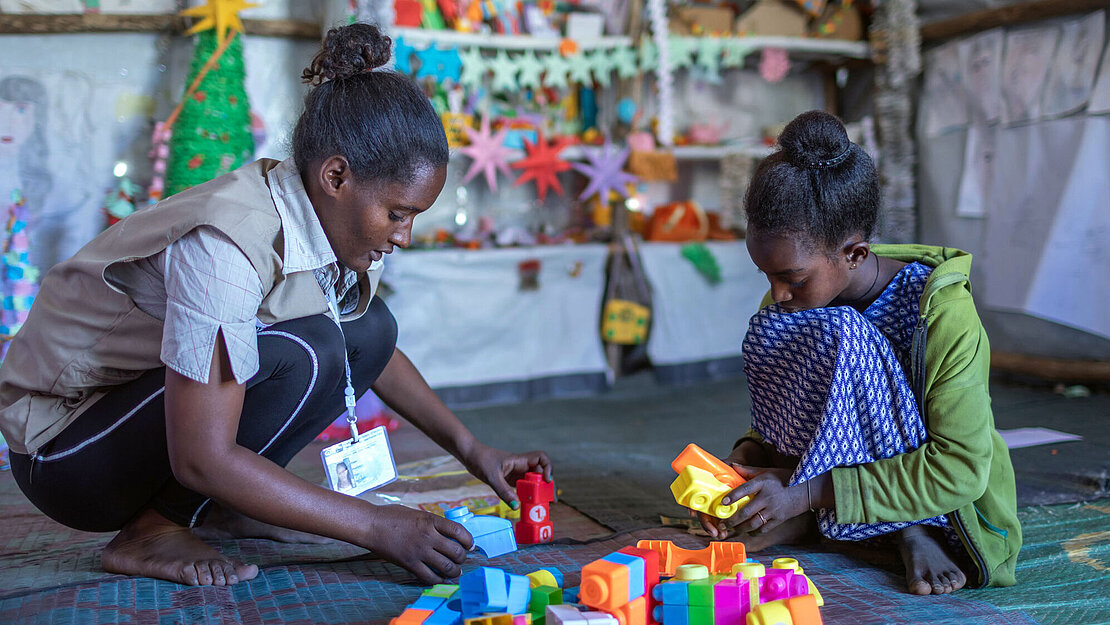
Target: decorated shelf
[502, 42]
[796, 46]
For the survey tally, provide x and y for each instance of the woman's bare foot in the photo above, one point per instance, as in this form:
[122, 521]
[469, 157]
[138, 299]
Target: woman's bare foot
[801, 529]
[226, 524]
[929, 568]
[150, 545]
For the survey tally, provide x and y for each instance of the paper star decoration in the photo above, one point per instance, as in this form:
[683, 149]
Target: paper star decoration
[439, 64]
[605, 171]
[649, 54]
[473, 68]
[487, 152]
[735, 53]
[709, 54]
[530, 69]
[580, 69]
[504, 72]
[624, 61]
[402, 56]
[222, 15]
[557, 68]
[543, 165]
[602, 65]
[682, 51]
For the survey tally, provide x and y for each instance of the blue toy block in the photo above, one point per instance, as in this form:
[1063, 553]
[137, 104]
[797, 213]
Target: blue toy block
[447, 614]
[671, 593]
[428, 602]
[635, 568]
[520, 591]
[570, 595]
[672, 614]
[483, 590]
[493, 535]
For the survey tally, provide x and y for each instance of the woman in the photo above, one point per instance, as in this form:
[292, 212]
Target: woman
[173, 366]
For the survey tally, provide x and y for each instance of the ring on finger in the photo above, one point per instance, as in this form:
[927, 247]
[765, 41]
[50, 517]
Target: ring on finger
[762, 521]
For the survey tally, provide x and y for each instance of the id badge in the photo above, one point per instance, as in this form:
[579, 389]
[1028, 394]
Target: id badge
[354, 467]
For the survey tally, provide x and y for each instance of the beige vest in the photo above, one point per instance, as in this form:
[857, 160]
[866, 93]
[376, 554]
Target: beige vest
[83, 336]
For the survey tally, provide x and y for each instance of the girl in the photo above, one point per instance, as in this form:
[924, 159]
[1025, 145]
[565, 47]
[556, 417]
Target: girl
[173, 366]
[868, 369]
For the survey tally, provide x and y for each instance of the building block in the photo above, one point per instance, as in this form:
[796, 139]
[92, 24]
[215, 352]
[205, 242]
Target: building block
[791, 563]
[490, 619]
[569, 615]
[604, 585]
[703, 480]
[651, 575]
[632, 613]
[535, 495]
[782, 584]
[522, 619]
[726, 601]
[635, 572]
[546, 576]
[520, 592]
[494, 536]
[428, 602]
[442, 590]
[543, 596]
[411, 617]
[447, 614]
[718, 557]
[482, 590]
[672, 614]
[800, 610]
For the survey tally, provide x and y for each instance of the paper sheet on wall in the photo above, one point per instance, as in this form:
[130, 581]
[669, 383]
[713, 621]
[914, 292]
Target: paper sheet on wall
[981, 63]
[978, 171]
[1024, 69]
[945, 106]
[1073, 69]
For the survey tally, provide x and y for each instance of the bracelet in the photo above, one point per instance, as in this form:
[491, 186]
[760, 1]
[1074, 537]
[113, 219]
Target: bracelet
[809, 496]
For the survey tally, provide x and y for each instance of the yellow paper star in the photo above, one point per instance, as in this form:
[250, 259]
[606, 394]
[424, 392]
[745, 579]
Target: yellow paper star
[221, 15]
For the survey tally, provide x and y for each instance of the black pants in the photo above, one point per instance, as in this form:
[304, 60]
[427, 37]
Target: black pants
[112, 462]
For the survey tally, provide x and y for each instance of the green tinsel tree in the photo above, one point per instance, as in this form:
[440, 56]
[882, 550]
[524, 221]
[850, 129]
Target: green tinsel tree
[212, 134]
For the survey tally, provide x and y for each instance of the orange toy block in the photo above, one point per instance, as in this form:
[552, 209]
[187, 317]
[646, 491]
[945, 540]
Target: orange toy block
[718, 557]
[411, 617]
[604, 585]
[698, 457]
[632, 613]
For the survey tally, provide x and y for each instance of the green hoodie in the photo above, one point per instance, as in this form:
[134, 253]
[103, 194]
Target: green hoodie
[963, 469]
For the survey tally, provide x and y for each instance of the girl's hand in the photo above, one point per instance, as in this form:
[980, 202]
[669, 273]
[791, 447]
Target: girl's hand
[772, 501]
[749, 453]
[501, 470]
[430, 547]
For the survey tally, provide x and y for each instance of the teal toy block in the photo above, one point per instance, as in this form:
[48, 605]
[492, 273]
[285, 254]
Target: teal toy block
[492, 535]
[428, 602]
[482, 590]
[520, 591]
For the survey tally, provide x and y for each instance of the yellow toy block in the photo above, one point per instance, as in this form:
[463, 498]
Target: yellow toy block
[491, 619]
[542, 578]
[699, 490]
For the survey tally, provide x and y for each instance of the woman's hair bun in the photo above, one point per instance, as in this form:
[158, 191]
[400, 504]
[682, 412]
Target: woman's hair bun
[348, 51]
[814, 139]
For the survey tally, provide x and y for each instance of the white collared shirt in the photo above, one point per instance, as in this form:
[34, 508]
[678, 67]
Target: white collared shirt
[203, 283]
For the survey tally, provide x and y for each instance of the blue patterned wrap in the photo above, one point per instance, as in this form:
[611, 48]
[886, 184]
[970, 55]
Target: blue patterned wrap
[829, 386]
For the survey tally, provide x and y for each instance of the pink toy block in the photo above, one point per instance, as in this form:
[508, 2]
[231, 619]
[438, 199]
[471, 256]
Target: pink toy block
[782, 584]
[726, 601]
[535, 496]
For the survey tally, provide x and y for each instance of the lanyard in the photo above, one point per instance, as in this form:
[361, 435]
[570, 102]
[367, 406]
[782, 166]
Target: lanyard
[349, 391]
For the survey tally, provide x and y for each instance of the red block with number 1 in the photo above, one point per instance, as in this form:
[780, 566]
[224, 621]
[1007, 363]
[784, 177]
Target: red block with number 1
[535, 496]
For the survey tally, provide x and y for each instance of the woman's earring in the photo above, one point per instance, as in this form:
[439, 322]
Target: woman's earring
[853, 265]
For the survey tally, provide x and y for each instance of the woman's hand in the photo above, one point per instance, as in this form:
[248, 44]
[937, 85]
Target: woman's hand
[430, 547]
[501, 469]
[772, 501]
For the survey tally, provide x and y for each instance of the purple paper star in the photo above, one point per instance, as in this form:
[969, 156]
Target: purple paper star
[605, 172]
[488, 153]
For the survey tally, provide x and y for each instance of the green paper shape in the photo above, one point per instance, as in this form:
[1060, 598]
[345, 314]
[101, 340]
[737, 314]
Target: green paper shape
[580, 67]
[556, 69]
[682, 51]
[649, 54]
[735, 51]
[703, 260]
[602, 66]
[709, 54]
[530, 70]
[504, 72]
[624, 62]
[474, 68]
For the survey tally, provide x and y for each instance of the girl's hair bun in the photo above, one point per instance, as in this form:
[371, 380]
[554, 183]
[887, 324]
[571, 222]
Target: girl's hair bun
[348, 51]
[814, 139]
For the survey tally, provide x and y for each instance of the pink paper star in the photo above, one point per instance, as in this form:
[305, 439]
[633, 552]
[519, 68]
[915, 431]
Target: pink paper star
[605, 172]
[488, 153]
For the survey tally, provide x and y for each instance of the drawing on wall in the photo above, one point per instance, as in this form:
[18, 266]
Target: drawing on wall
[23, 145]
[1073, 70]
[945, 106]
[981, 64]
[1024, 69]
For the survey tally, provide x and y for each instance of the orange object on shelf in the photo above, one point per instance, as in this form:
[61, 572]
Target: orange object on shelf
[678, 222]
[718, 557]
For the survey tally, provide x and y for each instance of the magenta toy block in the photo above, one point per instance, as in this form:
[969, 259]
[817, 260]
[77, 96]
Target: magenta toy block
[782, 584]
[726, 601]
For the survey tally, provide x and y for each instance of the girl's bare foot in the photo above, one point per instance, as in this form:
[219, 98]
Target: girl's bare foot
[150, 545]
[929, 568]
[801, 529]
[226, 524]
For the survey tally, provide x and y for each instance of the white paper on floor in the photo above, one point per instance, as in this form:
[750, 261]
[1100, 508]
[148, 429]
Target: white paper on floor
[1028, 437]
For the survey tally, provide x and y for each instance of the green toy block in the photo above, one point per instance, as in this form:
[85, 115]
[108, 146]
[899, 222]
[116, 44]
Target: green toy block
[701, 594]
[543, 596]
[441, 590]
[701, 615]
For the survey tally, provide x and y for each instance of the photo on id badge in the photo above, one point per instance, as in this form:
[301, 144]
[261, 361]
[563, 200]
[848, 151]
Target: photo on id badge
[354, 467]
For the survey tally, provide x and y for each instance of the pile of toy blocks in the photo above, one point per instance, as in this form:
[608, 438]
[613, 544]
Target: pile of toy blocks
[654, 583]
